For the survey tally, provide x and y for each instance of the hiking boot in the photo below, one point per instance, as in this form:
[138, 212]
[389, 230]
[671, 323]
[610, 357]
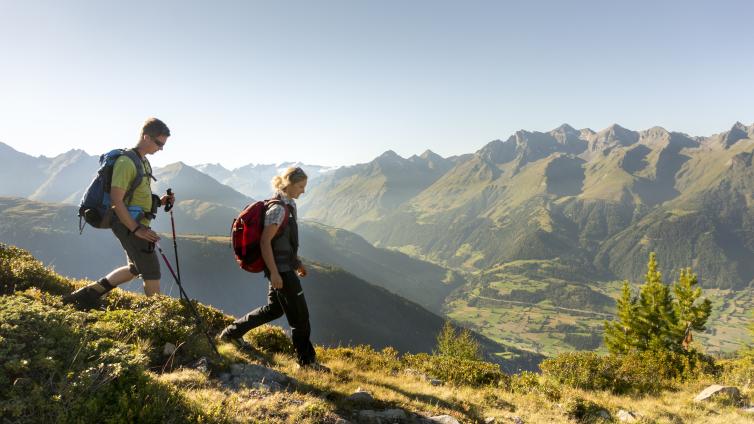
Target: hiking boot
[238, 342]
[88, 297]
[314, 366]
[84, 298]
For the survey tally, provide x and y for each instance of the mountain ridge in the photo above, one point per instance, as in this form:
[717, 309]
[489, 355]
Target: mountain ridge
[630, 173]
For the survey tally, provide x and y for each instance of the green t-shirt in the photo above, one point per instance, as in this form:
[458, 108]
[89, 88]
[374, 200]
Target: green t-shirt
[124, 172]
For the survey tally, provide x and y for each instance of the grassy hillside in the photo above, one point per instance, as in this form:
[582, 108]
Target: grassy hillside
[63, 365]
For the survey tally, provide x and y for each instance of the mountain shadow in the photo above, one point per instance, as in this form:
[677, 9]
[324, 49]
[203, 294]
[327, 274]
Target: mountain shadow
[565, 176]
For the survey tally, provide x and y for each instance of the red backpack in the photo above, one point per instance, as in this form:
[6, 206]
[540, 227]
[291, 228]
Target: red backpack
[246, 234]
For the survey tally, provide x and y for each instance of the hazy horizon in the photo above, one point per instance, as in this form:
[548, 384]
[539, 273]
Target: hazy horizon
[155, 159]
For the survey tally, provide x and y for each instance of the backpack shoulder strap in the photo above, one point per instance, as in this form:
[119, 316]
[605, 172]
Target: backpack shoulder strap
[136, 159]
[276, 201]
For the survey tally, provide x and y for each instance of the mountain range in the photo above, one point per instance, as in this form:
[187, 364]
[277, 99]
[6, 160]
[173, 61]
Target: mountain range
[524, 240]
[253, 180]
[593, 202]
[204, 190]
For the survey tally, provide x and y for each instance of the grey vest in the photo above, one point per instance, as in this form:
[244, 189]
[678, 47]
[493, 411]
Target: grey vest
[285, 244]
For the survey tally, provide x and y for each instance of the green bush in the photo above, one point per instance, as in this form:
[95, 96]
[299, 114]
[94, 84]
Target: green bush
[455, 370]
[58, 369]
[582, 370]
[738, 371]
[638, 372]
[162, 319]
[585, 411]
[19, 270]
[270, 339]
[530, 382]
[457, 344]
[365, 357]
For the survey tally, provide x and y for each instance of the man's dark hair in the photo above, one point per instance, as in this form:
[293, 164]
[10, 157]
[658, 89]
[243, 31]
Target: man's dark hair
[153, 127]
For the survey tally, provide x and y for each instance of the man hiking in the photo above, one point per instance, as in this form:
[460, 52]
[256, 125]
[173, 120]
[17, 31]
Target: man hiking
[131, 221]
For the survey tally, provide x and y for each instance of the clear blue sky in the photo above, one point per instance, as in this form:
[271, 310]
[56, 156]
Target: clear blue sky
[339, 82]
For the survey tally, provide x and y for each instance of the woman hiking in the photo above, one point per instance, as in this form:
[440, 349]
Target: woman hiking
[283, 269]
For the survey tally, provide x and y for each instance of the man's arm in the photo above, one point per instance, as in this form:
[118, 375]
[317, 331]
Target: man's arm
[116, 196]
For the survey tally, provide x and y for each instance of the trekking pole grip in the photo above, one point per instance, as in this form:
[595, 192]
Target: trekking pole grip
[169, 205]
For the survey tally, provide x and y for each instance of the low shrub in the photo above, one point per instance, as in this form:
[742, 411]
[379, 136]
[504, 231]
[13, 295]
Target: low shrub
[455, 370]
[270, 339]
[738, 371]
[19, 270]
[639, 372]
[582, 370]
[365, 357]
[530, 382]
[585, 411]
[160, 320]
[58, 369]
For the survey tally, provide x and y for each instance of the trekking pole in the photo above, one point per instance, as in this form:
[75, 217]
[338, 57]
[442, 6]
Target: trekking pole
[169, 208]
[199, 321]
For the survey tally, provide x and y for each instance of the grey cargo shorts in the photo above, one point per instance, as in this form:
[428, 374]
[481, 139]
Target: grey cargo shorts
[142, 259]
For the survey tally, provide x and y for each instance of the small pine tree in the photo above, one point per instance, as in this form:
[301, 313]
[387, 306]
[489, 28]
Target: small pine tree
[654, 320]
[619, 334]
[691, 316]
[461, 345]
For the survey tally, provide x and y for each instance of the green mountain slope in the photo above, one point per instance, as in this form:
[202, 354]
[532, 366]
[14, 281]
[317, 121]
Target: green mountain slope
[568, 213]
[204, 206]
[422, 282]
[344, 309]
[566, 196]
[366, 192]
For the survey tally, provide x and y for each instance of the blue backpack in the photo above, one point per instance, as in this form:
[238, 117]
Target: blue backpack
[96, 207]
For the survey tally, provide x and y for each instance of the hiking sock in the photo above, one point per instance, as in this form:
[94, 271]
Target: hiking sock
[104, 286]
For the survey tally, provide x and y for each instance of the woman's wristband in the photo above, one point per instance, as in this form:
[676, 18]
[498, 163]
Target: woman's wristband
[135, 229]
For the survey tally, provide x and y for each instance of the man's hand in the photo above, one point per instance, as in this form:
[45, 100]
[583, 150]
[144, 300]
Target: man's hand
[301, 271]
[145, 233]
[276, 280]
[164, 200]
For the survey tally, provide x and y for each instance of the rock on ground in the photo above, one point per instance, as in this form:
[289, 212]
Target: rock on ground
[443, 419]
[716, 390]
[626, 416]
[382, 417]
[360, 395]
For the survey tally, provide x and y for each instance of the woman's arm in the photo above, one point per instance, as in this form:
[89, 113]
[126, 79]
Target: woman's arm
[269, 258]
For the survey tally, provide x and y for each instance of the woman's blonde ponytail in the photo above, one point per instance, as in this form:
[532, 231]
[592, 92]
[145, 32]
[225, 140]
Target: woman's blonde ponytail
[290, 176]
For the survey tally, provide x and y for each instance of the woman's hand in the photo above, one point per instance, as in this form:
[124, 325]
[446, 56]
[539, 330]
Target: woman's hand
[301, 271]
[276, 280]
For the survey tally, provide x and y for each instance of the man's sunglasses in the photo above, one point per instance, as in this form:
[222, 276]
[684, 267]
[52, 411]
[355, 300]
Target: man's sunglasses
[159, 143]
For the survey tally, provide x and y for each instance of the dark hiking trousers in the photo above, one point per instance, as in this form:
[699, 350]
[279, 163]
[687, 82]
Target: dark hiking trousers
[289, 301]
